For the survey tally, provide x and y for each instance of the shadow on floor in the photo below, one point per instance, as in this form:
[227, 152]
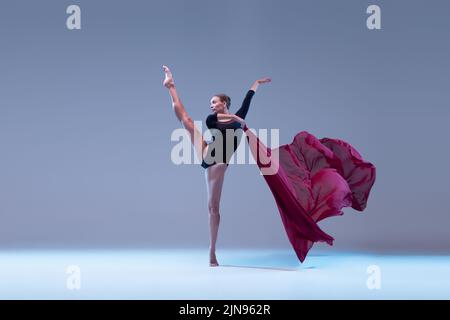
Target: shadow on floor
[257, 267]
[278, 261]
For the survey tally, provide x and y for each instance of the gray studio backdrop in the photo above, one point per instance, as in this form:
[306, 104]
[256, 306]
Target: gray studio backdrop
[85, 123]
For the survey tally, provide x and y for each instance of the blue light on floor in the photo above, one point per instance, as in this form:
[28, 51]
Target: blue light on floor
[243, 274]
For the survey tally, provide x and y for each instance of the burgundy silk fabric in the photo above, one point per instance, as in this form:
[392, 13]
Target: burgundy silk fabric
[315, 179]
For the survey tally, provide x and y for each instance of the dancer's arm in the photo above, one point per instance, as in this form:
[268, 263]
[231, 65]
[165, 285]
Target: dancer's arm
[242, 112]
[229, 116]
[212, 119]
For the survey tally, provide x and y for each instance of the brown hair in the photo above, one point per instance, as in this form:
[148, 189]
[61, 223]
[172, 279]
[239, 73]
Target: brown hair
[224, 98]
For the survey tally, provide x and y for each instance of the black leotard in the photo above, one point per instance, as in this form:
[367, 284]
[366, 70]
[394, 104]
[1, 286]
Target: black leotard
[213, 123]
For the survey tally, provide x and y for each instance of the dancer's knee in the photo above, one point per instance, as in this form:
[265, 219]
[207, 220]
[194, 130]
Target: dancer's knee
[213, 208]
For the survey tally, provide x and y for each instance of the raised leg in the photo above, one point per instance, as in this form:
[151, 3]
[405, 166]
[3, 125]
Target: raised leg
[182, 115]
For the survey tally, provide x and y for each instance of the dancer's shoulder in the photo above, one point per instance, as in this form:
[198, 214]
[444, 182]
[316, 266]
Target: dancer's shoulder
[211, 120]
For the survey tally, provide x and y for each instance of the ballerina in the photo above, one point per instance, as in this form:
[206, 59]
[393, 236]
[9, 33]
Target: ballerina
[215, 164]
[314, 178]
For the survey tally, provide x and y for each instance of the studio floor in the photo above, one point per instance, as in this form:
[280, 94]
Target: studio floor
[243, 274]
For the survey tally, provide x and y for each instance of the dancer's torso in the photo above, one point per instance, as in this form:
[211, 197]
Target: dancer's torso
[228, 131]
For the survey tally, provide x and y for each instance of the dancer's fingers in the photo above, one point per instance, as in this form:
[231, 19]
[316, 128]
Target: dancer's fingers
[264, 80]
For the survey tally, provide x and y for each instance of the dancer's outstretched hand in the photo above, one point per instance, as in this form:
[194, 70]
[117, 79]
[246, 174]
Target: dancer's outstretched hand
[260, 81]
[168, 80]
[264, 80]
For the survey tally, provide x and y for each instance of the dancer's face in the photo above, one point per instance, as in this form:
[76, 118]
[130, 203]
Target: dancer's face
[217, 105]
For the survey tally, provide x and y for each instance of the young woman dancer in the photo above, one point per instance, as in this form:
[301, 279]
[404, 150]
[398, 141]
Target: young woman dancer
[313, 180]
[221, 119]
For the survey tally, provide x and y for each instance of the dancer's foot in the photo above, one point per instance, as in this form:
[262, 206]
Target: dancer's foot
[168, 81]
[212, 259]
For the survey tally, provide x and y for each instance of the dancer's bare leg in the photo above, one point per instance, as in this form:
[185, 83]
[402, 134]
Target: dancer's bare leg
[214, 182]
[214, 174]
[181, 114]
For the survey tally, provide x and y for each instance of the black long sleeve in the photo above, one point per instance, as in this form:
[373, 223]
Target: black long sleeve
[242, 112]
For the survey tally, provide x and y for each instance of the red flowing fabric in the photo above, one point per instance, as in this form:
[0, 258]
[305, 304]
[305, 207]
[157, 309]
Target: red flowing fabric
[313, 179]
